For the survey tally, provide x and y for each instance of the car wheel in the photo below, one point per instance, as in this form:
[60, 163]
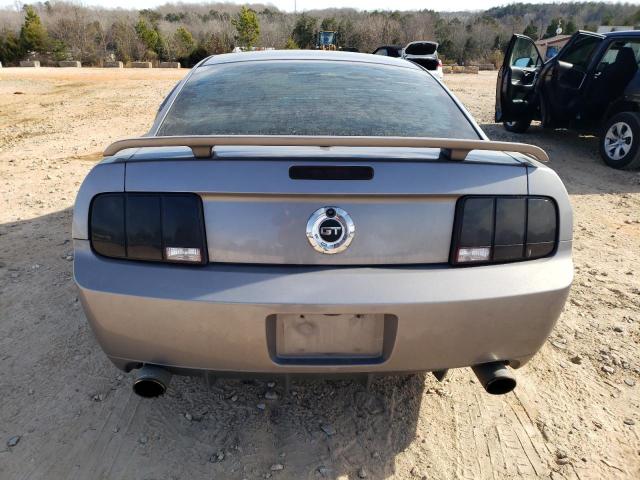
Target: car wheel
[518, 126]
[620, 139]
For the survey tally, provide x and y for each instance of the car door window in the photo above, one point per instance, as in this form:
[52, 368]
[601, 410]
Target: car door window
[524, 54]
[579, 53]
[381, 51]
[611, 55]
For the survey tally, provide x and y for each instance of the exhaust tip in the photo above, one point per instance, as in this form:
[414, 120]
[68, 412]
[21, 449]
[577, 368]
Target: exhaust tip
[500, 385]
[151, 381]
[495, 378]
[149, 388]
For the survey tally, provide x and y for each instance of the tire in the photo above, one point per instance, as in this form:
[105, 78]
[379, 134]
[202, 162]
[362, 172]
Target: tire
[620, 141]
[519, 126]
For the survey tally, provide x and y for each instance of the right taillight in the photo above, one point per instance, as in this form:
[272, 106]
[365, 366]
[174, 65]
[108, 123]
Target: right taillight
[495, 229]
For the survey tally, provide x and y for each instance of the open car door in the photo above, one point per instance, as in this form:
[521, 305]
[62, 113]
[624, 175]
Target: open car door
[564, 91]
[515, 99]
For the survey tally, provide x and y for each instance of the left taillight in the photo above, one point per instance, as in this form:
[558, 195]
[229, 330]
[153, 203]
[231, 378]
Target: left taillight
[164, 227]
[497, 229]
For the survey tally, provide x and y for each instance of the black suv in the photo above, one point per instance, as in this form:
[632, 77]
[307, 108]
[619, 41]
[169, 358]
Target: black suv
[591, 85]
[389, 51]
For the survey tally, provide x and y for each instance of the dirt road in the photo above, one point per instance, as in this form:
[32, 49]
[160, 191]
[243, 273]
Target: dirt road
[66, 412]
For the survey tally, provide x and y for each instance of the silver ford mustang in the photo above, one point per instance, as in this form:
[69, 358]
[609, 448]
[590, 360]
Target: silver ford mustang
[289, 213]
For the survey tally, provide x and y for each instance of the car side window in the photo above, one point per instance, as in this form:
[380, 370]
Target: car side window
[524, 54]
[580, 52]
[611, 55]
[381, 51]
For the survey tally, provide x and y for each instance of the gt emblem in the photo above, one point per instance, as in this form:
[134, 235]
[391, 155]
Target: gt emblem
[330, 230]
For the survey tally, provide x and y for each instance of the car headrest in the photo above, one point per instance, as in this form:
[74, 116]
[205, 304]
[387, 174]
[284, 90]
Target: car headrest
[626, 57]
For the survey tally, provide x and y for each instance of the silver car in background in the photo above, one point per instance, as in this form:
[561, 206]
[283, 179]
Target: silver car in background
[289, 214]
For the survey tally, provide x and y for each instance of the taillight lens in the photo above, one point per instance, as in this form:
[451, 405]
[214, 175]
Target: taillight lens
[439, 63]
[148, 226]
[496, 229]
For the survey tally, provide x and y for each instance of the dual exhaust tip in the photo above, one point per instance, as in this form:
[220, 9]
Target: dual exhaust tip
[152, 381]
[495, 377]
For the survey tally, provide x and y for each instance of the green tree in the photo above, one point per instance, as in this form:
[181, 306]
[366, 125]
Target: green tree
[59, 50]
[151, 15]
[329, 24]
[247, 27]
[291, 44]
[10, 49]
[531, 31]
[470, 49]
[552, 27]
[304, 31]
[33, 35]
[175, 17]
[147, 35]
[162, 49]
[570, 28]
[633, 19]
[184, 42]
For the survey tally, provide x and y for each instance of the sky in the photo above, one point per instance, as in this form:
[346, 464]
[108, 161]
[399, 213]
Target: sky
[288, 5]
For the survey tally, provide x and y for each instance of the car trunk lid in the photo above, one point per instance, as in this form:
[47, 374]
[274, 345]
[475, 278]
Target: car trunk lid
[256, 210]
[421, 48]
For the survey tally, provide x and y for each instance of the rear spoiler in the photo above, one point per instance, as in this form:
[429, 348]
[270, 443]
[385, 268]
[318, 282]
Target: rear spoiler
[202, 145]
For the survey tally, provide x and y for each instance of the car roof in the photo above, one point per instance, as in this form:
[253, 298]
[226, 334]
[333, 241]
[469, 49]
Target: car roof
[307, 55]
[623, 33]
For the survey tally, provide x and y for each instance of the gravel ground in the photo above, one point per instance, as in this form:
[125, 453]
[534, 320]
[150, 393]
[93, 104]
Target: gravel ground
[66, 412]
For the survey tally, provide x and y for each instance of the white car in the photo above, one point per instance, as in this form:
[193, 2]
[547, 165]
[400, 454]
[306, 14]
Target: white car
[422, 52]
[425, 54]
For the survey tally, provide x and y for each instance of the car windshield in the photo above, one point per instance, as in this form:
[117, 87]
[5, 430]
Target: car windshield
[314, 98]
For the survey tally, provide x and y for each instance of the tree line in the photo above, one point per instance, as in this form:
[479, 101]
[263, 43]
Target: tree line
[56, 30]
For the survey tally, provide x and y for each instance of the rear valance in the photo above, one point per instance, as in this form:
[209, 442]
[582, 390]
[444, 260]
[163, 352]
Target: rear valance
[202, 145]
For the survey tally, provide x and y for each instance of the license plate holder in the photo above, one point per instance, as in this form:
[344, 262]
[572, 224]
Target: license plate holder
[329, 335]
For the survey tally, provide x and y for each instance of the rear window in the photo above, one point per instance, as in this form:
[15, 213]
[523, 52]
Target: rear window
[314, 98]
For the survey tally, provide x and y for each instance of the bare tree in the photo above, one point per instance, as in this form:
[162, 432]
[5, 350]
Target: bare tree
[91, 34]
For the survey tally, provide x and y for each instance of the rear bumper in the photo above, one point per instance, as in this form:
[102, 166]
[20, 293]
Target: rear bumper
[217, 317]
